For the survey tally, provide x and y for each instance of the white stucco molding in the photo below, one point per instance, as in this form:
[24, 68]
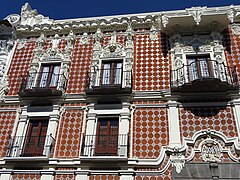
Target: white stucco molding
[176, 154]
[235, 29]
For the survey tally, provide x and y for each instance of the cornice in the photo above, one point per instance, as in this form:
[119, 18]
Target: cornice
[34, 23]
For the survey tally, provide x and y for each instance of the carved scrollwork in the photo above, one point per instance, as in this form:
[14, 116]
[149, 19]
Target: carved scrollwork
[178, 161]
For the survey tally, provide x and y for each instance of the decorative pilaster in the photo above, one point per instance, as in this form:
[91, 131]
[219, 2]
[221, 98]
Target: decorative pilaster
[81, 174]
[6, 175]
[236, 110]
[90, 131]
[173, 124]
[126, 174]
[124, 129]
[47, 175]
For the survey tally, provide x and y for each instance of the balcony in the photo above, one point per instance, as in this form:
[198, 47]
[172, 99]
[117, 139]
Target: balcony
[42, 84]
[204, 76]
[110, 81]
[105, 145]
[30, 146]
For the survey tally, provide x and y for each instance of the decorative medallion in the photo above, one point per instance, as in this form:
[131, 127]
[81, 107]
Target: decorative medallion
[211, 151]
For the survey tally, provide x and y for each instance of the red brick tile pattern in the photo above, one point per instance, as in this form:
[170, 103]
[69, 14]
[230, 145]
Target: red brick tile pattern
[150, 132]
[19, 66]
[232, 49]
[216, 118]
[104, 177]
[7, 120]
[151, 64]
[26, 177]
[69, 138]
[154, 176]
[64, 177]
[80, 66]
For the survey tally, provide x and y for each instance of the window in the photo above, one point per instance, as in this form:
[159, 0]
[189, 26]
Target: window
[35, 138]
[49, 75]
[199, 67]
[111, 73]
[107, 136]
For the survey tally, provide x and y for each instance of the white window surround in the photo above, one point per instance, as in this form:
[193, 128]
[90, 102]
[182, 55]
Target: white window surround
[124, 73]
[183, 46]
[91, 125]
[113, 51]
[34, 73]
[22, 127]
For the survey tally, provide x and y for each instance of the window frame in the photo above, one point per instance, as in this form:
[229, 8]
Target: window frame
[50, 75]
[37, 149]
[113, 67]
[110, 147]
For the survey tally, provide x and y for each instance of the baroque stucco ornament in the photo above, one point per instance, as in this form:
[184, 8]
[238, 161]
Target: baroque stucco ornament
[236, 29]
[178, 161]
[112, 49]
[31, 17]
[211, 151]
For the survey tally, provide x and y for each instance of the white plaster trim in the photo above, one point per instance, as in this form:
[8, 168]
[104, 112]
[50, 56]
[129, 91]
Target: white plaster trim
[8, 109]
[236, 111]
[151, 105]
[173, 124]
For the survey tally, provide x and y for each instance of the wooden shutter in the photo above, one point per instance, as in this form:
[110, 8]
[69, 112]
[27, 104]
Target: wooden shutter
[35, 139]
[107, 137]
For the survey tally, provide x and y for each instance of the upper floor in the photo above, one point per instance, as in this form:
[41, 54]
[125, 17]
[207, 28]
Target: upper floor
[177, 53]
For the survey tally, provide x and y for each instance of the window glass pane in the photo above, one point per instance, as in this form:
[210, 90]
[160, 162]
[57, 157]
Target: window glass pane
[192, 69]
[106, 74]
[118, 73]
[44, 77]
[55, 76]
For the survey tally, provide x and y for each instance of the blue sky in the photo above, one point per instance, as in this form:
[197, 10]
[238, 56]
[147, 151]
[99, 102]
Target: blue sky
[65, 9]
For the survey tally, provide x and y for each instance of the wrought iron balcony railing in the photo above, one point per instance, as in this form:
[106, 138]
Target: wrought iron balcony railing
[204, 75]
[105, 145]
[112, 80]
[30, 146]
[43, 84]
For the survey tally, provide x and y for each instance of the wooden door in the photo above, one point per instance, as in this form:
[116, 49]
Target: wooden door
[35, 139]
[107, 137]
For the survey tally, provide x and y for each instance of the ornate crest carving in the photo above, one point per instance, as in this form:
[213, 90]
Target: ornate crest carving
[211, 151]
[112, 50]
[84, 39]
[196, 12]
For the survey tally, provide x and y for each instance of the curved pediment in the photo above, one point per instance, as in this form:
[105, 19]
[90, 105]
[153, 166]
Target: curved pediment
[112, 50]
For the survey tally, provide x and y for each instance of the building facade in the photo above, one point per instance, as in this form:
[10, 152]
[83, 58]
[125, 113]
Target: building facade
[150, 96]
